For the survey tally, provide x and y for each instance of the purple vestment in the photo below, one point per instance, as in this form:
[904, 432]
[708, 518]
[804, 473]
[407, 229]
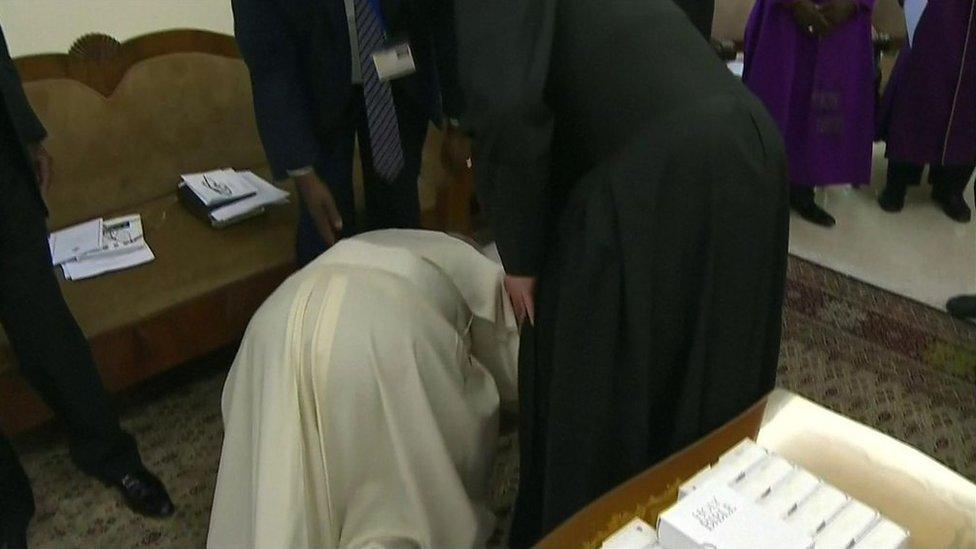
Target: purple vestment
[928, 114]
[819, 90]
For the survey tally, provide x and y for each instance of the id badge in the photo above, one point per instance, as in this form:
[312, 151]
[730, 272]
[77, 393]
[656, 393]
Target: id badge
[394, 62]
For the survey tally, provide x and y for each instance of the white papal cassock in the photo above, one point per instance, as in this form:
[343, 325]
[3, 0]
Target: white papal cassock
[362, 407]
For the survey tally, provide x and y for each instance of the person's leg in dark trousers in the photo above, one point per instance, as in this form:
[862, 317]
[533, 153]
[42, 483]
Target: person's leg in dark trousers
[901, 175]
[335, 170]
[395, 204]
[16, 497]
[52, 352]
[54, 355]
[948, 184]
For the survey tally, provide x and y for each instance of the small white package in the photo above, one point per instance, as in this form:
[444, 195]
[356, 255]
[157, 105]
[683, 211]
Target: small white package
[845, 529]
[744, 455]
[715, 516]
[637, 534]
[760, 478]
[730, 467]
[884, 535]
[787, 494]
[816, 511]
[721, 473]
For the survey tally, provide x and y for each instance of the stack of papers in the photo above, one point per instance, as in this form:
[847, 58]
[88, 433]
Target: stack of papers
[100, 246]
[224, 197]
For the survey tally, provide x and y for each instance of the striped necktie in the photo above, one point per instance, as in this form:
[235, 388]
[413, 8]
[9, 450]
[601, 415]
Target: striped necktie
[384, 130]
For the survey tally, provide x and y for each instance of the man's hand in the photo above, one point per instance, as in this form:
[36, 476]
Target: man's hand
[43, 165]
[455, 150]
[838, 12]
[321, 206]
[808, 16]
[521, 290]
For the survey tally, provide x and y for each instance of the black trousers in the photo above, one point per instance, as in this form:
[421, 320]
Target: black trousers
[52, 352]
[389, 204]
[945, 180]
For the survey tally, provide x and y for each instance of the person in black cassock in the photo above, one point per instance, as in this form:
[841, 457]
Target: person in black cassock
[638, 196]
[51, 349]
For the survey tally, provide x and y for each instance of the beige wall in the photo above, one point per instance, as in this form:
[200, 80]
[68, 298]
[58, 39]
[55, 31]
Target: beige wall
[51, 26]
[731, 15]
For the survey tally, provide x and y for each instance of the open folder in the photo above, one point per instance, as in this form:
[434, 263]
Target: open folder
[225, 197]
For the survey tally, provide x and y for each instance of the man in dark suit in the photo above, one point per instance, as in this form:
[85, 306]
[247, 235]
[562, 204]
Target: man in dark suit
[317, 85]
[50, 347]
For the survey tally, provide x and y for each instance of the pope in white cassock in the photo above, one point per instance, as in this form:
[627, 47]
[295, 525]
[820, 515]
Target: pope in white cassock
[362, 408]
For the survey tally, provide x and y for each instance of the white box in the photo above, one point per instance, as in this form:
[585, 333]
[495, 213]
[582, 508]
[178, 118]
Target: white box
[848, 527]
[717, 517]
[637, 534]
[760, 478]
[787, 494]
[730, 467]
[884, 535]
[744, 455]
[816, 511]
[720, 472]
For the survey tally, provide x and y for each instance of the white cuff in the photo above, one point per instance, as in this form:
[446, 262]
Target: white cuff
[300, 171]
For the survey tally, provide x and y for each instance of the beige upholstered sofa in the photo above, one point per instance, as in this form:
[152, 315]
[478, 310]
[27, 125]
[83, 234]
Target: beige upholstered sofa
[125, 120]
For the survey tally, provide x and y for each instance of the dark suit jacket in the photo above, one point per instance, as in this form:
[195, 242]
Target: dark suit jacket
[15, 106]
[300, 62]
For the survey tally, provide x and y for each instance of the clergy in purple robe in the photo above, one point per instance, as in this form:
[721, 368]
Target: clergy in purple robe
[810, 62]
[928, 113]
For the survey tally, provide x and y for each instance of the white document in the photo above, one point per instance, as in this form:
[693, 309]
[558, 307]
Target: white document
[913, 14]
[218, 187]
[123, 246]
[265, 194]
[73, 242]
[80, 270]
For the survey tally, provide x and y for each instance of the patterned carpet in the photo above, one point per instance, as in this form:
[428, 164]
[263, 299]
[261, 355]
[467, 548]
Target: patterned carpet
[898, 366]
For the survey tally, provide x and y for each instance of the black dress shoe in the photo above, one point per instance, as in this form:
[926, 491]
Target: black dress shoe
[954, 206]
[892, 198]
[814, 214]
[13, 538]
[963, 306]
[145, 494]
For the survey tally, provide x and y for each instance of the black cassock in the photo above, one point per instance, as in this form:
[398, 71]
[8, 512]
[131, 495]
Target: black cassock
[625, 166]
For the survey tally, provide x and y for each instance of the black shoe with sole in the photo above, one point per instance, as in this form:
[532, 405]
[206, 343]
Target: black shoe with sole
[13, 538]
[892, 198]
[804, 205]
[145, 494]
[954, 206]
[963, 307]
